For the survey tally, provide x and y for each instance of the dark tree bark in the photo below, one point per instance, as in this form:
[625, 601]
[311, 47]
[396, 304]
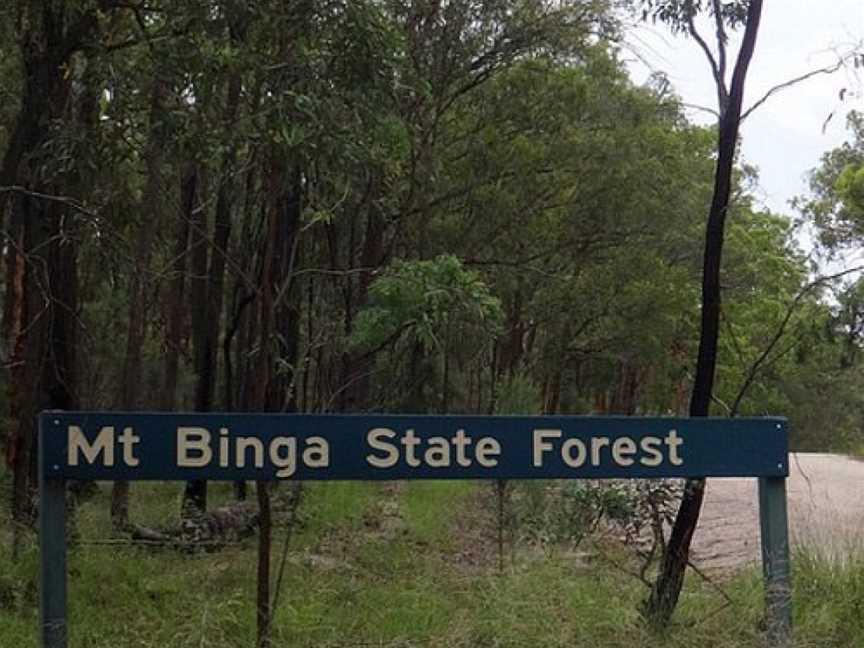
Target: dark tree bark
[175, 305]
[282, 388]
[259, 390]
[40, 317]
[625, 395]
[150, 212]
[552, 393]
[209, 279]
[357, 367]
[667, 588]
[235, 357]
[263, 610]
[195, 493]
[278, 312]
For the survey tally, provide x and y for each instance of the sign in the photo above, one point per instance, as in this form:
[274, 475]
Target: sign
[137, 446]
[104, 446]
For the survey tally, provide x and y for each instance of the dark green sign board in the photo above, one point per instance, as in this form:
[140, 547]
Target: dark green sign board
[104, 445]
[142, 446]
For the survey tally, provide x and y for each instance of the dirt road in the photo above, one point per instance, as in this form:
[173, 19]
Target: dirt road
[826, 512]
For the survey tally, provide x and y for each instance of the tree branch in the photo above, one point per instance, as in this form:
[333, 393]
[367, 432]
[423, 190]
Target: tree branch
[706, 109]
[719, 80]
[778, 335]
[65, 200]
[722, 39]
[829, 69]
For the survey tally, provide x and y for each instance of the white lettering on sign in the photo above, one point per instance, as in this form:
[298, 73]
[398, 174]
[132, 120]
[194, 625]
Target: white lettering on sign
[193, 447]
[487, 449]
[541, 446]
[376, 441]
[651, 446]
[623, 451]
[285, 455]
[432, 452]
[103, 444]
[674, 441]
[195, 450]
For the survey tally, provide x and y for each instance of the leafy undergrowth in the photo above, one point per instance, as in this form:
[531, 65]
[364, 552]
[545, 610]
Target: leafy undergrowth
[398, 566]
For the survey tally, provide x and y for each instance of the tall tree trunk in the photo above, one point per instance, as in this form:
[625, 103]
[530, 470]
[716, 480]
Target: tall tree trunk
[445, 371]
[278, 327]
[209, 279]
[626, 389]
[667, 588]
[552, 399]
[237, 374]
[259, 391]
[195, 493]
[357, 367]
[175, 303]
[282, 394]
[40, 320]
[265, 534]
[150, 213]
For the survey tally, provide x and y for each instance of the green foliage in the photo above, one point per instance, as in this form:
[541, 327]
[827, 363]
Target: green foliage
[461, 206]
[678, 14]
[518, 394]
[493, 216]
[850, 187]
[424, 299]
[834, 205]
[826, 370]
[550, 514]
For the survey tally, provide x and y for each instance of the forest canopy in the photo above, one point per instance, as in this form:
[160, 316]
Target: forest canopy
[387, 206]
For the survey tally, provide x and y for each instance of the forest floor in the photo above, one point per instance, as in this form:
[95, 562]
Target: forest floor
[401, 566]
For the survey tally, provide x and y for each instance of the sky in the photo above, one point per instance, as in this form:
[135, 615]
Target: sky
[784, 137]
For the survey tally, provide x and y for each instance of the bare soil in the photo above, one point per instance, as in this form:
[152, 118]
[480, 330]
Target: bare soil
[826, 512]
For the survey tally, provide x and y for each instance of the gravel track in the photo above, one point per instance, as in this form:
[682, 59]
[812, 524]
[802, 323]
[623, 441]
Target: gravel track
[826, 512]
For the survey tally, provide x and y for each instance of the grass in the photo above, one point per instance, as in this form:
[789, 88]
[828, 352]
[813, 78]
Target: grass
[397, 565]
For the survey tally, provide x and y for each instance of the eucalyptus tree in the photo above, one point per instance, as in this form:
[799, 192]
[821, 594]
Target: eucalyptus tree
[46, 178]
[834, 208]
[835, 204]
[569, 185]
[681, 16]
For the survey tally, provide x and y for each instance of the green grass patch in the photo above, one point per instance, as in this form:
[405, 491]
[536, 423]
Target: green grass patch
[379, 565]
[429, 507]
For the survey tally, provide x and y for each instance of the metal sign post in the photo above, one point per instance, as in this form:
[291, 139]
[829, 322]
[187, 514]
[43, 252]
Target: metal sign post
[774, 526]
[52, 552]
[230, 447]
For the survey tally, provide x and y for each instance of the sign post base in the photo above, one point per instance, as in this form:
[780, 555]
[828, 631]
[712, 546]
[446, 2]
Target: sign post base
[773, 520]
[52, 548]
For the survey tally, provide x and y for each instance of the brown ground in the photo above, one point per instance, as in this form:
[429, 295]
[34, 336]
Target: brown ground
[826, 512]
